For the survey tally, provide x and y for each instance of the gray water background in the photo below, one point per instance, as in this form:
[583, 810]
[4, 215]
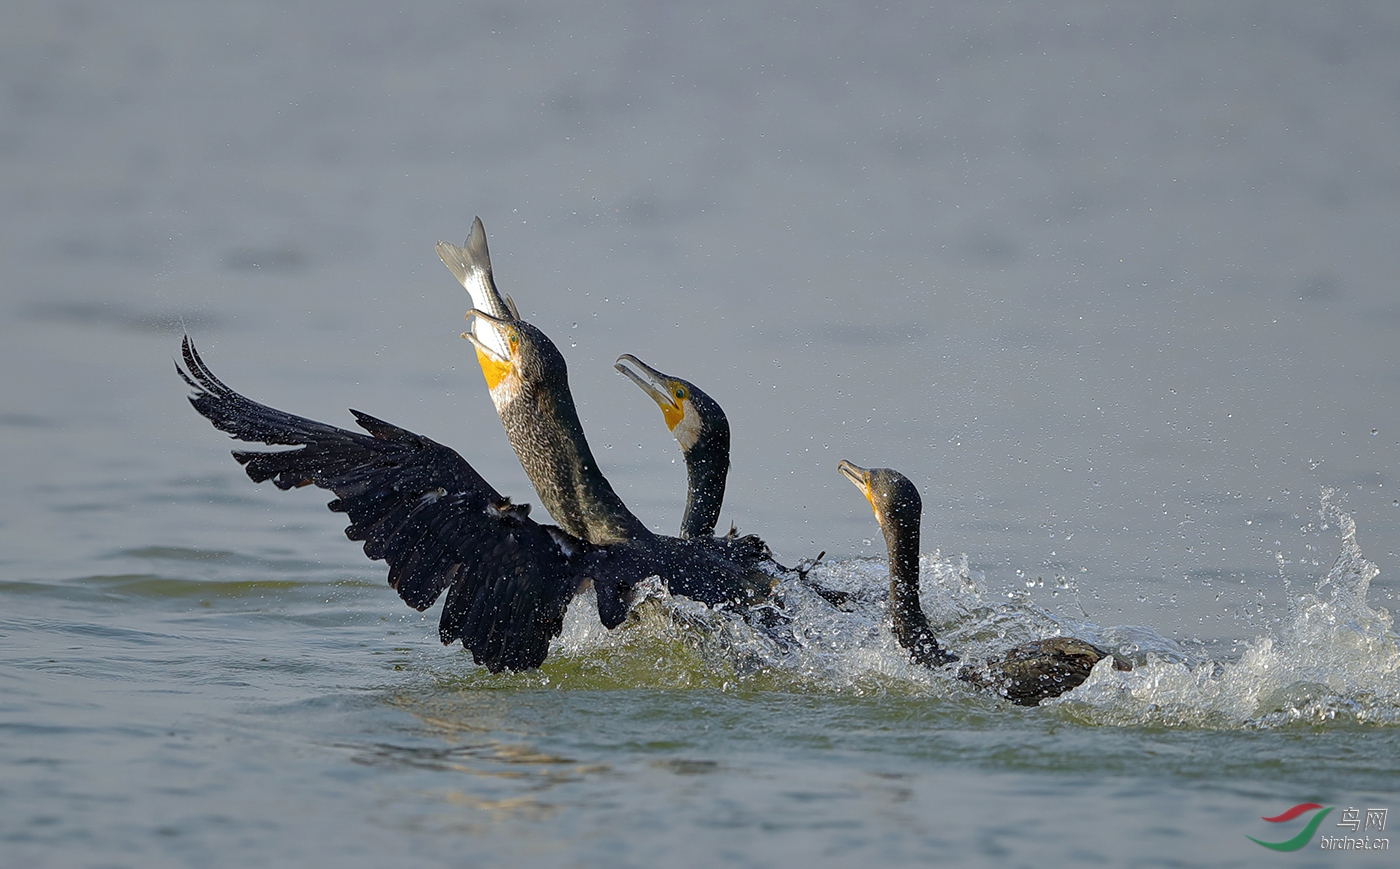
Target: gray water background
[1114, 286]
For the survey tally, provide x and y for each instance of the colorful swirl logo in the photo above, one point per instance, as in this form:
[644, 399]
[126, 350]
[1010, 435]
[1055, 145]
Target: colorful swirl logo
[1304, 835]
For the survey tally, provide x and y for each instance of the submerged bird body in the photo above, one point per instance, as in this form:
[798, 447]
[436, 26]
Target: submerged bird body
[1025, 674]
[1038, 670]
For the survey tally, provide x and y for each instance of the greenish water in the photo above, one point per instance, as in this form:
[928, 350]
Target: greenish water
[1113, 285]
[229, 710]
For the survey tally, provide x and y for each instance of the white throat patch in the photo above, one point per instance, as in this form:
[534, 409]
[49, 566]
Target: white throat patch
[687, 431]
[506, 392]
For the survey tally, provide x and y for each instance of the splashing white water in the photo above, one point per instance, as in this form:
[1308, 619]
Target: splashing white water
[1334, 657]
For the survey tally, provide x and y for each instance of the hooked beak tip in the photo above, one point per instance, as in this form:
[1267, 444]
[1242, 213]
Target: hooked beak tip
[650, 380]
[483, 347]
[856, 474]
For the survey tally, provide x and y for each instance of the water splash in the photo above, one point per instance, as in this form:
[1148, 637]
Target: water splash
[1334, 658]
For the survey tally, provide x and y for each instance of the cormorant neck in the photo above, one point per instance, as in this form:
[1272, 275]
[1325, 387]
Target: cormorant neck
[545, 432]
[910, 625]
[707, 470]
[902, 541]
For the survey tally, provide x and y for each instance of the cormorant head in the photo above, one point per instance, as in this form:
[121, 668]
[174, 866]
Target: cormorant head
[515, 357]
[894, 499]
[690, 414]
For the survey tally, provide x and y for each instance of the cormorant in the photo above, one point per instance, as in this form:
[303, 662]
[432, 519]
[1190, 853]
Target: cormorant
[528, 382]
[1025, 674]
[701, 428]
[422, 508]
[529, 385]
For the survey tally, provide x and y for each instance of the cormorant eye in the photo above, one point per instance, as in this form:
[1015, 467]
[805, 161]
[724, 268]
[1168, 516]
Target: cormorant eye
[680, 392]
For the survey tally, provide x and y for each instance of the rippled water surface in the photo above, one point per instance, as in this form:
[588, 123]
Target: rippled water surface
[1114, 286]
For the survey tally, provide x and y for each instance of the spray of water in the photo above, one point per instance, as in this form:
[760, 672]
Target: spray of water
[1334, 658]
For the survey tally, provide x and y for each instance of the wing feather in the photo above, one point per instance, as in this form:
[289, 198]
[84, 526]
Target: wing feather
[420, 507]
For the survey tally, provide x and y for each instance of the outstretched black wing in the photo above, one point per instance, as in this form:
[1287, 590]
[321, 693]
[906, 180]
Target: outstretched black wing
[420, 507]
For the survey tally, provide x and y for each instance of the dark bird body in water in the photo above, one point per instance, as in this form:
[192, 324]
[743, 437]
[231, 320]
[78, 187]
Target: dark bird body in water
[1025, 674]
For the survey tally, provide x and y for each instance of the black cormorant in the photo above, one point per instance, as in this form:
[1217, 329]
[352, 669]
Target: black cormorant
[1026, 674]
[702, 430]
[422, 508]
[440, 526]
[529, 385]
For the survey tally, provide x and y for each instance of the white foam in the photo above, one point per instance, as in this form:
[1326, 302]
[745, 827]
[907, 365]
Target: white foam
[1335, 657]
